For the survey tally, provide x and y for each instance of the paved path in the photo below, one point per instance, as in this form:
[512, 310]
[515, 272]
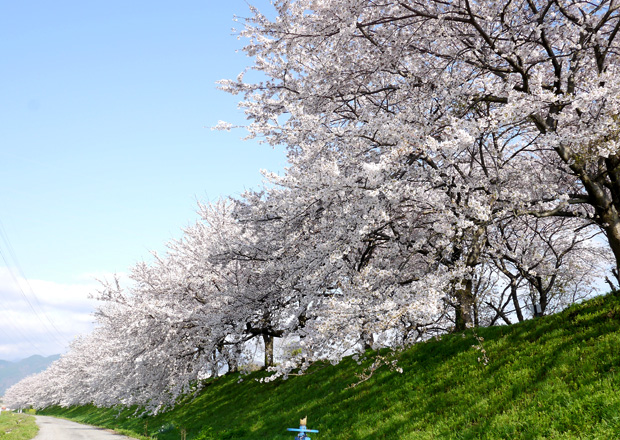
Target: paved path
[51, 428]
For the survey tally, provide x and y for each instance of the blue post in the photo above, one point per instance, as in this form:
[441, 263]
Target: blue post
[302, 430]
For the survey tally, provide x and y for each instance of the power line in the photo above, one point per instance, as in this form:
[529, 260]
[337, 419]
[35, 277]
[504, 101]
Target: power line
[23, 294]
[7, 318]
[56, 334]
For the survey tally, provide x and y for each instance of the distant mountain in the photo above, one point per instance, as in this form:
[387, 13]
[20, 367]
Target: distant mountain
[13, 372]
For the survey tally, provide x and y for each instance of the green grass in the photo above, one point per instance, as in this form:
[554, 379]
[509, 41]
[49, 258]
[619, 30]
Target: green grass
[552, 378]
[17, 426]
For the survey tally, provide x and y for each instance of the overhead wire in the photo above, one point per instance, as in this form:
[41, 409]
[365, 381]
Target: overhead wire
[53, 331]
[16, 326]
[8, 319]
[7, 242]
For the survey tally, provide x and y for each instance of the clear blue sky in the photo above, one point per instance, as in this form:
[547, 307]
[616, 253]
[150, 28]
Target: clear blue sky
[105, 140]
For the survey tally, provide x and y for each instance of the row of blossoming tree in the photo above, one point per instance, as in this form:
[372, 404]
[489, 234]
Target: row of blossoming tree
[451, 164]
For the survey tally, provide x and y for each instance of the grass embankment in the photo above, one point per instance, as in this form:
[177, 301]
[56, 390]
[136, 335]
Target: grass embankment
[554, 377]
[17, 426]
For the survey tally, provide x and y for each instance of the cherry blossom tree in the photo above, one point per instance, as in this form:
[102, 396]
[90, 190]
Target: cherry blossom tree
[243, 269]
[557, 261]
[407, 79]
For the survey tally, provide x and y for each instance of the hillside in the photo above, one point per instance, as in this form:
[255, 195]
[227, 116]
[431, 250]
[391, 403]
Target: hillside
[555, 377]
[13, 372]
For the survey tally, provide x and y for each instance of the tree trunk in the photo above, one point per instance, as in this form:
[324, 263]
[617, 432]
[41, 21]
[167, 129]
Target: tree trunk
[476, 314]
[232, 365]
[613, 236]
[604, 197]
[464, 313]
[268, 340]
[464, 308]
[367, 340]
[515, 300]
[543, 293]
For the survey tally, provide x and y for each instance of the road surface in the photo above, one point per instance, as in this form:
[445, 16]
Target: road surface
[51, 428]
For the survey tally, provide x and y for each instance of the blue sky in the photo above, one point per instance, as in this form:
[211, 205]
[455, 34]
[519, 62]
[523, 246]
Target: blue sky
[105, 147]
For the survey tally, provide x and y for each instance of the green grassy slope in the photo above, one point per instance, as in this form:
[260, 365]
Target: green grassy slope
[17, 426]
[555, 377]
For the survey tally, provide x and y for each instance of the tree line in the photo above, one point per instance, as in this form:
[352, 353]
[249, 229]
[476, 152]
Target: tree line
[450, 164]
